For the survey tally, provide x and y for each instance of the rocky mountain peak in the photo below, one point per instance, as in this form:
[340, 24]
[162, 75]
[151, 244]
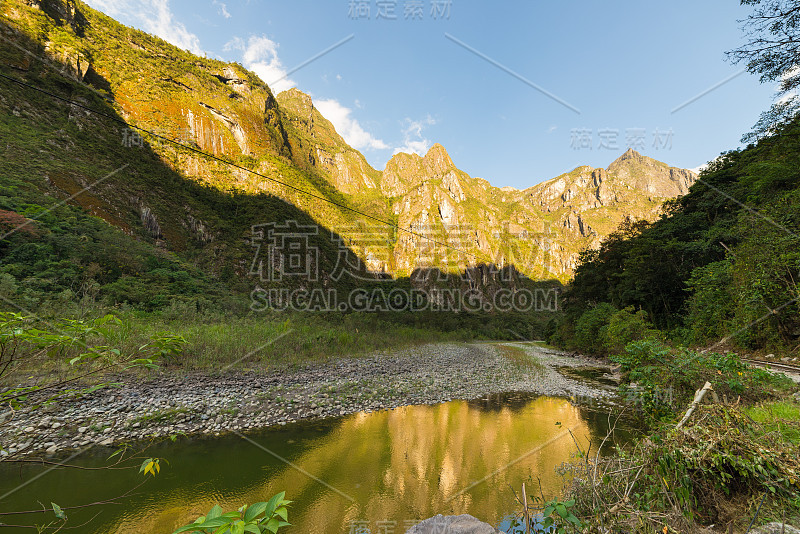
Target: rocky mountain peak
[402, 161]
[297, 101]
[629, 155]
[651, 176]
[437, 160]
[230, 112]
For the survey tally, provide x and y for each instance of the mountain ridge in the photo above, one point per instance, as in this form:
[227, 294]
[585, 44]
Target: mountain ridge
[227, 111]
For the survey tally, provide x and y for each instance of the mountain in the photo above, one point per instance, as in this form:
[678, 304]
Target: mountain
[541, 230]
[200, 201]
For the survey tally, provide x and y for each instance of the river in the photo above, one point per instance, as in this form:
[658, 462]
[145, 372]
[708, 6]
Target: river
[376, 472]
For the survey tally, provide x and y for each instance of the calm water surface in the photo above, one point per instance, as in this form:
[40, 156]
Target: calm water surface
[377, 472]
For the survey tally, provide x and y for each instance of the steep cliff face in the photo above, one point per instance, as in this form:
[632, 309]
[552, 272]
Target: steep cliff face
[585, 205]
[447, 218]
[319, 148]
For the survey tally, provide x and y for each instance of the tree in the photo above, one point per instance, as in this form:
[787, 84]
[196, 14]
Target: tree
[772, 51]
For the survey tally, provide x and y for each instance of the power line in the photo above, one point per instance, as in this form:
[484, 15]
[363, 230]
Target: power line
[216, 158]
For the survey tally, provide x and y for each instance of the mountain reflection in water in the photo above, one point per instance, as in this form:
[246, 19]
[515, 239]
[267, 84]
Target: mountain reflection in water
[367, 472]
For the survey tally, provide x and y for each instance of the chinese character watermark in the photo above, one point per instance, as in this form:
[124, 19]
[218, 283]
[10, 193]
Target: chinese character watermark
[608, 139]
[290, 252]
[412, 10]
[132, 138]
[284, 251]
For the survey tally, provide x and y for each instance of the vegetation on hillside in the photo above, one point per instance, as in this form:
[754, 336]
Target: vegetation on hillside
[724, 261]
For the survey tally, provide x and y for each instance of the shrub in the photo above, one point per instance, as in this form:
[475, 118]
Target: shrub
[258, 518]
[711, 306]
[589, 328]
[627, 326]
[717, 469]
[662, 380]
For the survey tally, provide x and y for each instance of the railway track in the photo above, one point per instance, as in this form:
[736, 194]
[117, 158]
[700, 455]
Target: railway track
[778, 366]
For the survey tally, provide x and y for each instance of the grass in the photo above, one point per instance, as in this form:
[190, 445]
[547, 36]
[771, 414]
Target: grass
[277, 340]
[779, 416]
[521, 358]
[715, 470]
[544, 345]
[219, 343]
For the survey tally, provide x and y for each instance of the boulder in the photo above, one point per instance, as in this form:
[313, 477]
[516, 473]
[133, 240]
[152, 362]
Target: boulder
[775, 528]
[452, 524]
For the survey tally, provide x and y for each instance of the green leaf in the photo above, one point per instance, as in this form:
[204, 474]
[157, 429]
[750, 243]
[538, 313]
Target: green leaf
[281, 512]
[216, 522]
[117, 452]
[561, 510]
[254, 511]
[146, 463]
[238, 528]
[273, 525]
[58, 511]
[273, 503]
[215, 512]
[186, 528]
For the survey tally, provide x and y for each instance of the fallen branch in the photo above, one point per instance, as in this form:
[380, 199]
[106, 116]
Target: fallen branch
[698, 398]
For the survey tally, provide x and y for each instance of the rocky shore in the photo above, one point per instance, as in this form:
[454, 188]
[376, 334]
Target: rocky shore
[167, 404]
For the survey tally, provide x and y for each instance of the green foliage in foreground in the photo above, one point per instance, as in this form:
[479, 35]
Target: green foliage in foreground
[86, 347]
[81, 346]
[257, 518]
[662, 381]
[715, 470]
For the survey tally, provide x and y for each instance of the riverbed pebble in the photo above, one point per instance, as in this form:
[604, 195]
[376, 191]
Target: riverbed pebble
[200, 403]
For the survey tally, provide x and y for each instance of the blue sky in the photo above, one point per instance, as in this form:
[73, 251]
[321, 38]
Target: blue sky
[498, 84]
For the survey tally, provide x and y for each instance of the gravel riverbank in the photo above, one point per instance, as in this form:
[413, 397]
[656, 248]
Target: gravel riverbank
[169, 404]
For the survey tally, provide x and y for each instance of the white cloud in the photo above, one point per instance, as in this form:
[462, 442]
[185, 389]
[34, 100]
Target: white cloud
[348, 127]
[413, 140]
[699, 169]
[152, 16]
[223, 8]
[260, 54]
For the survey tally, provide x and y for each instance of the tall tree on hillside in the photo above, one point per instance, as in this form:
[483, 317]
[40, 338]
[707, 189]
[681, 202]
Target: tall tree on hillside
[772, 51]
